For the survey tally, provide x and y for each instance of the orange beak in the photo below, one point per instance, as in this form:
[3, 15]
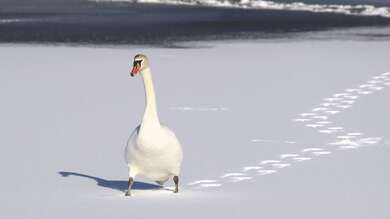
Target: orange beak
[135, 70]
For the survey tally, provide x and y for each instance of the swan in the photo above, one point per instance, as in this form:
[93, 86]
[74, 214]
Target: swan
[153, 150]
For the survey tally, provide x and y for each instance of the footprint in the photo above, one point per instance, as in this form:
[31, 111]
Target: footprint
[344, 142]
[182, 108]
[288, 155]
[265, 172]
[332, 99]
[352, 97]
[269, 162]
[261, 140]
[302, 120]
[365, 92]
[208, 109]
[326, 131]
[314, 125]
[251, 168]
[365, 85]
[340, 94]
[320, 153]
[347, 147]
[232, 174]
[311, 149]
[352, 90]
[239, 179]
[319, 109]
[374, 82]
[280, 165]
[374, 140]
[336, 128]
[320, 117]
[301, 159]
[210, 185]
[354, 134]
[376, 88]
[329, 131]
[345, 136]
[328, 104]
[290, 142]
[344, 106]
[307, 114]
[202, 181]
[332, 112]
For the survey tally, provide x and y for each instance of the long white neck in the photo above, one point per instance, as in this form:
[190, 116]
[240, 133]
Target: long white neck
[150, 119]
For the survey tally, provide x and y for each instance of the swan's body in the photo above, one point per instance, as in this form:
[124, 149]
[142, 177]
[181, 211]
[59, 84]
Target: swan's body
[152, 151]
[155, 159]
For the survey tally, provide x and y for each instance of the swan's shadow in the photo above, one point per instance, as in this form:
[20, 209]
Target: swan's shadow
[120, 185]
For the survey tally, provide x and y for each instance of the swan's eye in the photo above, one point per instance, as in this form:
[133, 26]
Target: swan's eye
[137, 62]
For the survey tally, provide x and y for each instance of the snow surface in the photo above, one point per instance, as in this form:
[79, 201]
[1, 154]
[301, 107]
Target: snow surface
[240, 109]
[356, 10]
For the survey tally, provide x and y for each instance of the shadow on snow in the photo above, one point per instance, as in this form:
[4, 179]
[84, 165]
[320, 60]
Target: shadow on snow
[120, 185]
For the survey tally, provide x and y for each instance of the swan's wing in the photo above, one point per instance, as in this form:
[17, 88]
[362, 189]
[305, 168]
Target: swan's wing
[175, 149]
[131, 143]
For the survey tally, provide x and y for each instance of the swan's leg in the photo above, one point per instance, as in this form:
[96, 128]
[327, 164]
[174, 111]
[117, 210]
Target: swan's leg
[130, 183]
[132, 173]
[176, 180]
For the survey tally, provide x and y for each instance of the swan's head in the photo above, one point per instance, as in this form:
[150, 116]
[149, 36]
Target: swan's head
[139, 64]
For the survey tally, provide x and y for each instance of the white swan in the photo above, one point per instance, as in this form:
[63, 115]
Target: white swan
[152, 151]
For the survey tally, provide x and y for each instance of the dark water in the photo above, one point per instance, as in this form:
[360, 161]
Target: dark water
[79, 21]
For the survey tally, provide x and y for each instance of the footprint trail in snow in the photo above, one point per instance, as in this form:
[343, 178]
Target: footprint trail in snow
[317, 119]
